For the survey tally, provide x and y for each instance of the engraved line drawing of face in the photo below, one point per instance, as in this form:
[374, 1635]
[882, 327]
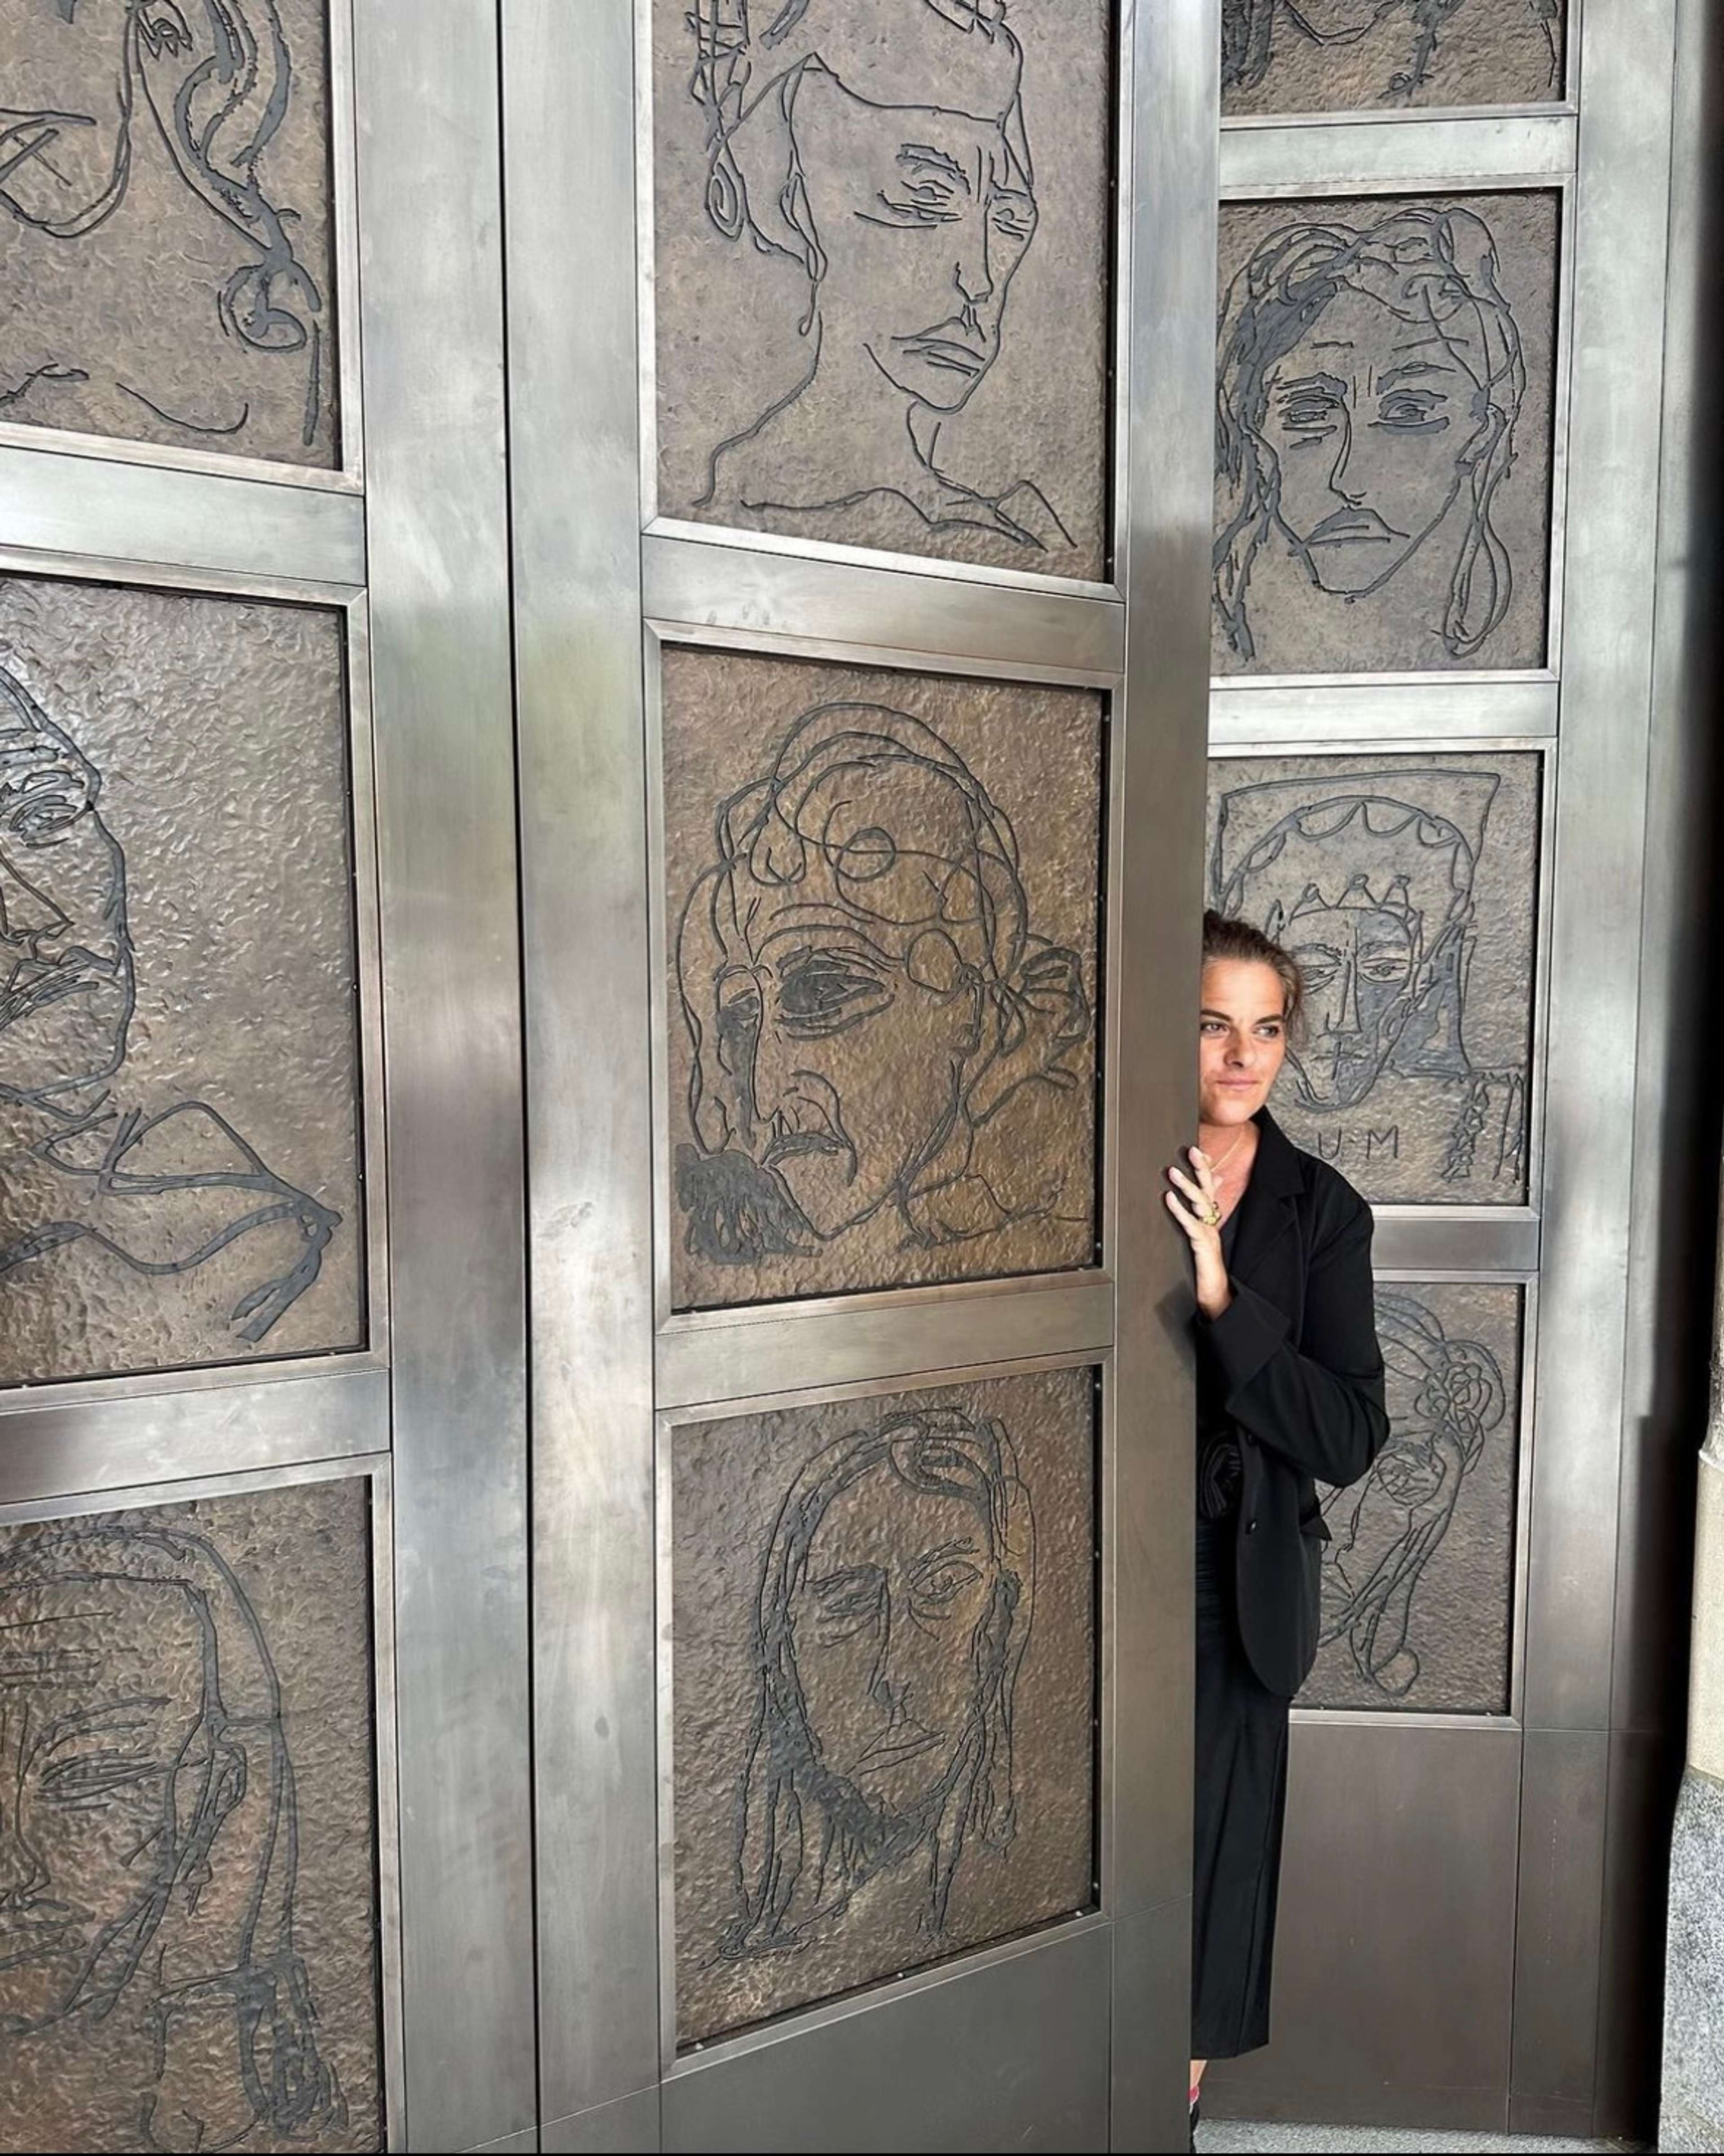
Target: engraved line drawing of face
[66, 989]
[865, 1000]
[1249, 30]
[148, 1829]
[1444, 1398]
[1367, 879]
[87, 88]
[162, 1194]
[1370, 378]
[887, 157]
[893, 1614]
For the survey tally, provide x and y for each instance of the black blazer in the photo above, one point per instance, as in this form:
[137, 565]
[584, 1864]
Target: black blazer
[1296, 1369]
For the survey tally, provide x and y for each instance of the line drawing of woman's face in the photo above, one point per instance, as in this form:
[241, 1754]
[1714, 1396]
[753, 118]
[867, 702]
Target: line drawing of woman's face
[1443, 1398]
[1361, 969]
[65, 955]
[64, 115]
[1367, 416]
[893, 1612]
[884, 1623]
[1369, 380]
[103, 1757]
[921, 219]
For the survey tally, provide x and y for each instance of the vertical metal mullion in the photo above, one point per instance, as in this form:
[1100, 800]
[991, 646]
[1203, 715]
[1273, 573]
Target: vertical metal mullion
[432, 329]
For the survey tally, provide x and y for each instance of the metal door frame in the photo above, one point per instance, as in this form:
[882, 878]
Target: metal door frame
[590, 583]
[407, 541]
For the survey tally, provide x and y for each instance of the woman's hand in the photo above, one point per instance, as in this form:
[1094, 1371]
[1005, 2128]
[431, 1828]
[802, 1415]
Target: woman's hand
[1194, 1203]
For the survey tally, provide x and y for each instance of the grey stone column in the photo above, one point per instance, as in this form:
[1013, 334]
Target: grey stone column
[1692, 2111]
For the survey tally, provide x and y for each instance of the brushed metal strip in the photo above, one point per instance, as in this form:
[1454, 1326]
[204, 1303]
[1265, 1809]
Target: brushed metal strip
[1435, 708]
[1431, 1242]
[50, 1451]
[1369, 156]
[204, 519]
[694, 582]
[866, 1339]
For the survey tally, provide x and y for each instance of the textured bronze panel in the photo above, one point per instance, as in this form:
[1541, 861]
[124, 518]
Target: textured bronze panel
[844, 196]
[1407, 888]
[1384, 391]
[1418, 1580]
[187, 1844]
[165, 224]
[1352, 55]
[883, 1637]
[178, 1067]
[882, 909]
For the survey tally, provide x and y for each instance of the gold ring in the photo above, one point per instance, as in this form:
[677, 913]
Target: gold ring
[1211, 1219]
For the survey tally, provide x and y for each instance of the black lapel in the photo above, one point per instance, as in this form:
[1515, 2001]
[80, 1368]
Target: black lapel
[1266, 1211]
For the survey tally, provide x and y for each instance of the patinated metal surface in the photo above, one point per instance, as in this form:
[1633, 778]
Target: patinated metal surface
[1417, 1583]
[1354, 55]
[844, 201]
[883, 1635]
[1384, 392]
[165, 225]
[178, 1080]
[881, 913]
[188, 1951]
[1407, 888]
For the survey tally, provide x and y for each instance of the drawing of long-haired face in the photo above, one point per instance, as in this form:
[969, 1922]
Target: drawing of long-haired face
[1369, 381]
[82, 81]
[858, 976]
[1444, 1398]
[147, 1824]
[884, 152]
[893, 1612]
[65, 955]
[1372, 892]
[1251, 28]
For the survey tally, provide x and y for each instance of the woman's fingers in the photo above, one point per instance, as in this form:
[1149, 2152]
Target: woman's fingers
[1193, 1227]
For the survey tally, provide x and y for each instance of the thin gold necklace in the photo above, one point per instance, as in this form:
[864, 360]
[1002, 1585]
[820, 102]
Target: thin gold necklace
[1216, 1166]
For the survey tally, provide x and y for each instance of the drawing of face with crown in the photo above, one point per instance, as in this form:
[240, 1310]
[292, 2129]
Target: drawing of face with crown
[1372, 891]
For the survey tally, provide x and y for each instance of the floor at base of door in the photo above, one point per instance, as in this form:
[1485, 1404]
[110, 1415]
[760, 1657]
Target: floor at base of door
[1235, 2137]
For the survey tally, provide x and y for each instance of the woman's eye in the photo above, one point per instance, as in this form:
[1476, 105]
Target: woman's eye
[1382, 969]
[738, 1016]
[1014, 215]
[847, 1599]
[945, 1584]
[1306, 415]
[83, 1781]
[1413, 410]
[929, 204]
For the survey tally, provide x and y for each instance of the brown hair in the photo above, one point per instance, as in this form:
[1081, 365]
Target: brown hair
[1238, 939]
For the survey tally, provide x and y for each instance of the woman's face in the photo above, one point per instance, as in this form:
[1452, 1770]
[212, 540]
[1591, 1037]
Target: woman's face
[103, 1748]
[1367, 417]
[1242, 1034]
[922, 217]
[898, 1580]
[62, 119]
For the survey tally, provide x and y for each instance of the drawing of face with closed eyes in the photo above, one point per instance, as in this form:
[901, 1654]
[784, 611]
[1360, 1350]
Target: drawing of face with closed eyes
[65, 955]
[899, 1578]
[1367, 416]
[921, 219]
[104, 1752]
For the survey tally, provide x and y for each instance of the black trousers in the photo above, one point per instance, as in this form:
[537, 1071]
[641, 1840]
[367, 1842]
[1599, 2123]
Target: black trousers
[1241, 1804]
